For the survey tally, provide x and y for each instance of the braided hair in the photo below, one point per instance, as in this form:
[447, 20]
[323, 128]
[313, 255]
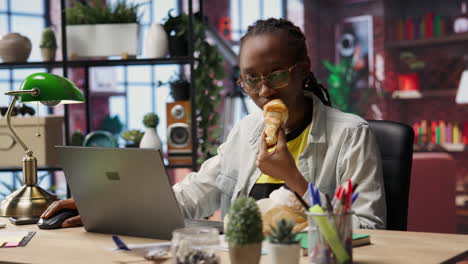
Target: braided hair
[296, 41]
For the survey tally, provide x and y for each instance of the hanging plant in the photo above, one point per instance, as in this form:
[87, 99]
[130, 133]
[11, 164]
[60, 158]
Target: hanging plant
[208, 70]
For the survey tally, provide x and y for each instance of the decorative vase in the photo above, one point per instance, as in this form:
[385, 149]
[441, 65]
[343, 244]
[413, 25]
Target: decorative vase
[156, 42]
[245, 254]
[151, 139]
[460, 24]
[282, 253]
[48, 54]
[14, 48]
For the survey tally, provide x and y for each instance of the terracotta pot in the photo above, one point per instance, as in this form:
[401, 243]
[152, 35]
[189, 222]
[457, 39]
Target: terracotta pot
[48, 54]
[245, 254]
[14, 48]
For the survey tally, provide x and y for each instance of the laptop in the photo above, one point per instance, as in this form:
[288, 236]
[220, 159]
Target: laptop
[124, 191]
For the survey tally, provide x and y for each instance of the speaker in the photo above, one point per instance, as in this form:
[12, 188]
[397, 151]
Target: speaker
[179, 139]
[224, 27]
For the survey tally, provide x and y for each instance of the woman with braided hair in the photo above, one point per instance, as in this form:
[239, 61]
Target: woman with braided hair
[314, 142]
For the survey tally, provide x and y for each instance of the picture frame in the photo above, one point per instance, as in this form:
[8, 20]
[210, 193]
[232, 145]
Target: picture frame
[354, 40]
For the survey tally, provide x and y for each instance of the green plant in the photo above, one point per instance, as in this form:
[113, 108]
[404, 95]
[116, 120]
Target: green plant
[151, 120]
[245, 222]
[176, 25]
[77, 138]
[132, 136]
[340, 83]
[179, 88]
[410, 61]
[112, 124]
[208, 69]
[97, 12]
[48, 39]
[282, 233]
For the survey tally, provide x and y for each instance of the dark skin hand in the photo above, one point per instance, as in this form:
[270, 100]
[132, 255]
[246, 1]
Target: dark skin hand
[63, 204]
[280, 164]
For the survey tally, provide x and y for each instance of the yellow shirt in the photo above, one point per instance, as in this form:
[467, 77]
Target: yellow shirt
[296, 147]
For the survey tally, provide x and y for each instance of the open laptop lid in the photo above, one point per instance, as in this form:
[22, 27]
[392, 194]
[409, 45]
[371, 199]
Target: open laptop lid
[121, 191]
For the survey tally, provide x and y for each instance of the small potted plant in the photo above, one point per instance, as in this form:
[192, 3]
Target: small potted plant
[244, 232]
[132, 138]
[179, 88]
[176, 29]
[48, 45]
[96, 29]
[283, 247]
[150, 138]
[77, 139]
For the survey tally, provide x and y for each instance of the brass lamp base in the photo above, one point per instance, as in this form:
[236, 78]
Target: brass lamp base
[27, 201]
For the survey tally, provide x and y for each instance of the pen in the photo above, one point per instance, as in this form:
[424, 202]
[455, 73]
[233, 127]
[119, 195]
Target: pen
[302, 201]
[353, 198]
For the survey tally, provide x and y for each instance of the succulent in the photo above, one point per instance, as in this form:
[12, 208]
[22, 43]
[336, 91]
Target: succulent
[282, 233]
[132, 136]
[245, 222]
[151, 120]
[48, 39]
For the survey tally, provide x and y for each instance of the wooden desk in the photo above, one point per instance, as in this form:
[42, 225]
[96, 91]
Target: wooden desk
[75, 245]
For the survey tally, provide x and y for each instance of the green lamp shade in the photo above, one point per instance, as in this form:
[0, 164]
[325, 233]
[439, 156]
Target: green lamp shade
[53, 90]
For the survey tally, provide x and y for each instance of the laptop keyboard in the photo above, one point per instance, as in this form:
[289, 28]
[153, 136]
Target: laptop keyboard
[205, 223]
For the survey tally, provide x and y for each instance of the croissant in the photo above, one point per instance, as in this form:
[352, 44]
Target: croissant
[275, 113]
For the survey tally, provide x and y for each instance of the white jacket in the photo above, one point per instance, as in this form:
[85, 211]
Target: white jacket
[340, 146]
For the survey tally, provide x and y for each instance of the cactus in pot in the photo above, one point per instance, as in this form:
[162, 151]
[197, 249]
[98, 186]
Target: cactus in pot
[244, 232]
[151, 138]
[48, 45]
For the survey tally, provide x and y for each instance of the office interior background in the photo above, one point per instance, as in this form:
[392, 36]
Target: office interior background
[404, 59]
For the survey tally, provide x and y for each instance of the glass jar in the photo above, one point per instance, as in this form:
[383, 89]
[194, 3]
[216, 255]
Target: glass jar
[195, 245]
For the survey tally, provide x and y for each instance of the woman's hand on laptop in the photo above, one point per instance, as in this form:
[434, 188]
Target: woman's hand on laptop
[63, 204]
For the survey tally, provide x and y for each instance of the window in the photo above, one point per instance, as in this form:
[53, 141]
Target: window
[243, 14]
[27, 17]
[140, 83]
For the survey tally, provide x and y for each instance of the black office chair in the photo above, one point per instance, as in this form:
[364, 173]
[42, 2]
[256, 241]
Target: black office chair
[395, 141]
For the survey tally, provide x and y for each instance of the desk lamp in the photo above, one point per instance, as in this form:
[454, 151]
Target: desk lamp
[30, 200]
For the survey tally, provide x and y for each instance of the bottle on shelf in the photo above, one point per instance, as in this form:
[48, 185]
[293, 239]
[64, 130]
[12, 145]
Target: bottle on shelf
[460, 24]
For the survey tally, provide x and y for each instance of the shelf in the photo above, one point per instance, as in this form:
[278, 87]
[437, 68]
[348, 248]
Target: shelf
[27, 65]
[95, 63]
[408, 95]
[39, 169]
[12, 169]
[451, 39]
[107, 94]
[101, 63]
[446, 147]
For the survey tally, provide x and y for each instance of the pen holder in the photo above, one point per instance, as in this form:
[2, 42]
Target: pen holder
[195, 245]
[330, 237]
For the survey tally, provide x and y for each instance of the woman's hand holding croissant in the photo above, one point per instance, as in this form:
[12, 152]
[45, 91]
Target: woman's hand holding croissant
[280, 164]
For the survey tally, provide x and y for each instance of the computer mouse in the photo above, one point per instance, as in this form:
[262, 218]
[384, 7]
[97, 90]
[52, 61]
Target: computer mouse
[56, 220]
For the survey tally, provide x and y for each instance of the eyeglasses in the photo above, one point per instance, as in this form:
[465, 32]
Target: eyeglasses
[275, 80]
